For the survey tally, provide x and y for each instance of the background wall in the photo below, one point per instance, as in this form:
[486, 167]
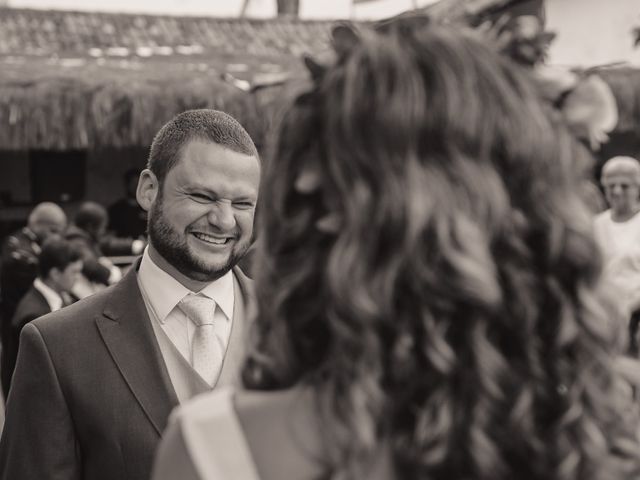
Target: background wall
[105, 170]
[15, 184]
[592, 32]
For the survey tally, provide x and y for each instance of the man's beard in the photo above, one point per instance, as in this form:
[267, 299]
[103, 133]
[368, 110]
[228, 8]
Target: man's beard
[175, 250]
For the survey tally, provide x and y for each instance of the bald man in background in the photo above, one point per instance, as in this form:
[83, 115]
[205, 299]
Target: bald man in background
[20, 253]
[617, 231]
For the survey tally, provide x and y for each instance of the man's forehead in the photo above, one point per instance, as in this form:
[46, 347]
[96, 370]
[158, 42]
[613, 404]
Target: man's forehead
[51, 225]
[623, 166]
[621, 177]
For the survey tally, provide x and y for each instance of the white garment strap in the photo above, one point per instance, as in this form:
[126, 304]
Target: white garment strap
[214, 438]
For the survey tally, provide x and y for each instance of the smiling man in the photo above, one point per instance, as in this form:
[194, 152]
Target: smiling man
[95, 382]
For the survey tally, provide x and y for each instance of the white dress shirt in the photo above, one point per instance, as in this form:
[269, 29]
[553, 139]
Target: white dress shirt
[52, 297]
[620, 246]
[161, 293]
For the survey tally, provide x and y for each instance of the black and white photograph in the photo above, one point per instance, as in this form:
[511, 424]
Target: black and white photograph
[319, 239]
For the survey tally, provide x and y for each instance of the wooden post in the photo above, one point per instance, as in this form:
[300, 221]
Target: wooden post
[288, 7]
[245, 7]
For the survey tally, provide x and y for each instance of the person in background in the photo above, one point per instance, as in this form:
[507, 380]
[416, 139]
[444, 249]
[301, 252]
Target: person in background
[19, 265]
[126, 218]
[429, 303]
[88, 233]
[59, 267]
[618, 233]
[95, 382]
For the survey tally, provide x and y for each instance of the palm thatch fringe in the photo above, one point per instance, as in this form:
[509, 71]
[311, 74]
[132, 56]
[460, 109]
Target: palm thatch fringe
[92, 108]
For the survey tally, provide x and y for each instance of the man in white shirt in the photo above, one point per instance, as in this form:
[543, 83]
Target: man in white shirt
[617, 231]
[59, 268]
[110, 368]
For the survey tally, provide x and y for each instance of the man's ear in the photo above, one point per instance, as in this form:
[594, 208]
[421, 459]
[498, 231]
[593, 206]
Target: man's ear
[147, 190]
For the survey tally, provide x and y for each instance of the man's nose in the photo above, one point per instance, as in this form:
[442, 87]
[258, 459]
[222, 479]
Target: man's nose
[221, 215]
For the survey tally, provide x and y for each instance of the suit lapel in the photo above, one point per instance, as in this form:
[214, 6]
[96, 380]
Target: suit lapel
[127, 332]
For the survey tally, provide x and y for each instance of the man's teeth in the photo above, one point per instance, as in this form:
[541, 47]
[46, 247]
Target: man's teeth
[208, 238]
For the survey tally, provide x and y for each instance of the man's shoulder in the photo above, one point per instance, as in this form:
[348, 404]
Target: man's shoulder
[245, 283]
[18, 247]
[19, 236]
[602, 219]
[74, 232]
[31, 297]
[31, 306]
[238, 272]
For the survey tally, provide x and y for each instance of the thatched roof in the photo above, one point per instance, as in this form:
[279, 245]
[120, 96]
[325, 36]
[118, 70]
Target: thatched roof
[89, 80]
[86, 80]
[74, 80]
[45, 33]
[84, 104]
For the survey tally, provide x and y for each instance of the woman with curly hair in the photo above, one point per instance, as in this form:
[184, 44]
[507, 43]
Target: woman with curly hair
[428, 287]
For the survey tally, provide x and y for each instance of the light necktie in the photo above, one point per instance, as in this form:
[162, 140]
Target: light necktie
[206, 350]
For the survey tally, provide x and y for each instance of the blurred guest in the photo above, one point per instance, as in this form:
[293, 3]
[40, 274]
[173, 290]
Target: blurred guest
[20, 263]
[95, 382]
[427, 282]
[59, 268]
[126, 218]
[618, 233]
[89, 234]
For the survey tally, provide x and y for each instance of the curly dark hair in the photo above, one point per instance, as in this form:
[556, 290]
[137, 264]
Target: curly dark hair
[426, 266]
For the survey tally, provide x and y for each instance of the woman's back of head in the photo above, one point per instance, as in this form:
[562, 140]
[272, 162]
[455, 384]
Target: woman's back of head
[427, 267]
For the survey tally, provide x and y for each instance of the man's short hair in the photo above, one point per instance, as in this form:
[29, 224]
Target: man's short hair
[621, 165]
[57, 252]
[91, 216]
[205, 124]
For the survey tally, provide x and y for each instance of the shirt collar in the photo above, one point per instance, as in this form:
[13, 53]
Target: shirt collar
[50, 295]
[164, 292]
[221, 291]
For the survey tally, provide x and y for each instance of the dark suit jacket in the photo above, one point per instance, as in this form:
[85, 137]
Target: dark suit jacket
[91, 393]
[33, 305]
[19, 269]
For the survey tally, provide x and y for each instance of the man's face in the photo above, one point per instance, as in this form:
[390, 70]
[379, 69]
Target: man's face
[201, 220]
[65, 279]
[45, 228]
[622, 192]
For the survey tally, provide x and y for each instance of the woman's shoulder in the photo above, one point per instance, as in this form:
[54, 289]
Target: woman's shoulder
[278, 433]
[213, 437]
[248, 405]
[287, 423]
[210, 406]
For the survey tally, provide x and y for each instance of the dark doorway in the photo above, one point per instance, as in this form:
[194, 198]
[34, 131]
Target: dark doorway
[58, 176]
